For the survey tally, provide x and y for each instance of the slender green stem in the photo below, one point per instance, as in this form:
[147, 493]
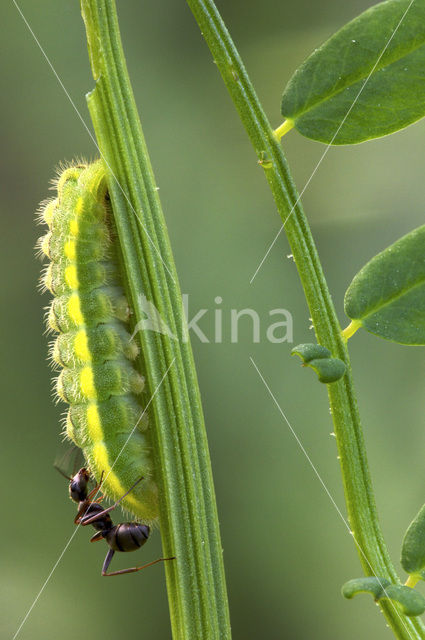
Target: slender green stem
[356, 478]
[188, 515]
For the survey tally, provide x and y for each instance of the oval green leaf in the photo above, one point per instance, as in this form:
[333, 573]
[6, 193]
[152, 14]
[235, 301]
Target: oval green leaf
[370, 584]
[310, 351]
[318, 358]
[387, 296]
[363, 83]
[413, 547]
[328, 370]
[412, 603]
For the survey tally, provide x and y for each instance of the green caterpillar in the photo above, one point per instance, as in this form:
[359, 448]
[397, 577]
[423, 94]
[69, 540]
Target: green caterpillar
[90, 313]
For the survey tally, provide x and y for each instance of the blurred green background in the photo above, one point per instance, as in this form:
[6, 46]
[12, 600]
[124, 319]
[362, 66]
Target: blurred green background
[287, 552]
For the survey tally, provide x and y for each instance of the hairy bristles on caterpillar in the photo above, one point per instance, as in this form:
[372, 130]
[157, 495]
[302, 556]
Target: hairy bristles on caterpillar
[93, 349]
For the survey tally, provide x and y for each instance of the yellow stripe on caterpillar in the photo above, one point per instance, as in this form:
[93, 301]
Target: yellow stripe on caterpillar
[87, 384]
[69, 249]
[74, 309]
[94, 423]
[73, 227]
[81, 346]
[71, 276]
[79, 206]
[112, 481]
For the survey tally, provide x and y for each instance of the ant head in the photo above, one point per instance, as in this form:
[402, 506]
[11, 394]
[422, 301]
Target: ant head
[78, 485]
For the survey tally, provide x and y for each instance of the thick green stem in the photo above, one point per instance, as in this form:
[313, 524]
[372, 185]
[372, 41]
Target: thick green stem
[188, 515]
[359, 497]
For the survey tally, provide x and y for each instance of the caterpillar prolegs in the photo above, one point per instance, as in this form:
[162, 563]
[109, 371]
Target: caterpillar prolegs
[90, 313]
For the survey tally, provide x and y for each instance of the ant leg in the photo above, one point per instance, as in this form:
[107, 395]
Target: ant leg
[79, 514]
[96, 489]
[109, 557]
[91, 519]
[97, 536]
[82, 510]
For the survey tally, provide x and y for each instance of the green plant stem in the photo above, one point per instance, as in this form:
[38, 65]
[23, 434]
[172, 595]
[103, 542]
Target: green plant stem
[359, 496]
[188, 515]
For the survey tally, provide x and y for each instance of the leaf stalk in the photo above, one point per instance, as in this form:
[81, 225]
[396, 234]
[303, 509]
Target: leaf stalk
[351, 329]
[286, 126]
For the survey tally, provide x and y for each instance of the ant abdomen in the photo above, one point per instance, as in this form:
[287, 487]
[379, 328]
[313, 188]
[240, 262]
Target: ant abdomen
[127, 536]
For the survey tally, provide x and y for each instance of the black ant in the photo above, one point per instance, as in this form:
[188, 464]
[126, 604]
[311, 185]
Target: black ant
[78, 487]
[86, 506]
[126, 536]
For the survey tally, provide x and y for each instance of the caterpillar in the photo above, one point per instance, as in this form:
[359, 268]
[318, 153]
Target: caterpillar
[93, 349]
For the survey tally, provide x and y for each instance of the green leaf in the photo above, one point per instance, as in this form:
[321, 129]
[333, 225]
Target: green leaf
[348, 75]
[370, 584]
[413, 548]
[411, 602]
[318, 358]
[387, 296]
[310, 351]
[328, 370]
